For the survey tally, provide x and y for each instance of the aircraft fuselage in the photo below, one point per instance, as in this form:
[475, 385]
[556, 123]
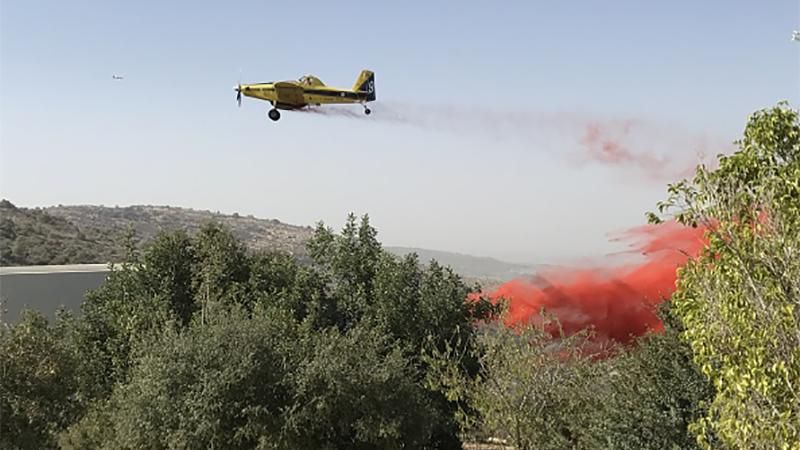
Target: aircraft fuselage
[284, 96]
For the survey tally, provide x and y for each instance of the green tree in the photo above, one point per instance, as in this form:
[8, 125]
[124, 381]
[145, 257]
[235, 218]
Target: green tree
[414, 305]
[222, 269]
[37, 382]
[167, 269]
[739, 298]
[358, 390]
[133, 301]
[221, 384]
[277, 278]
[348, 262]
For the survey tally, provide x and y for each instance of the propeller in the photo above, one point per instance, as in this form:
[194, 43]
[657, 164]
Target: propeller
[238, 89]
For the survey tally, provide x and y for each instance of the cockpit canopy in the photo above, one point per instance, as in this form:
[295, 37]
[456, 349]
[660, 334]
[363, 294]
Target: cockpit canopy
[310, 80]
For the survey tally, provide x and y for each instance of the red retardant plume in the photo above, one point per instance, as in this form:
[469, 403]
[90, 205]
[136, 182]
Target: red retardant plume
[618, 303]
[602, 146]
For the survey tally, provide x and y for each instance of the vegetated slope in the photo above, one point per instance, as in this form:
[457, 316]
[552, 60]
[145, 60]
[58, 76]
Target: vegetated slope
[146, 221]
[91, 234]
[34, 237]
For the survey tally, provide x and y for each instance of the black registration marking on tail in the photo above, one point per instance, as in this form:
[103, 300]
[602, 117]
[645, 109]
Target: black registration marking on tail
[368, 87]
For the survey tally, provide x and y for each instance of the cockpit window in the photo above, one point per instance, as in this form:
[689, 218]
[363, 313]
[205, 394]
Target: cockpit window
[310, 80]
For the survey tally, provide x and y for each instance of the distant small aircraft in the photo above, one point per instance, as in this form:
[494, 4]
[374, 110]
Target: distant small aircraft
[117, 77]
[796, 36]
[308, 91]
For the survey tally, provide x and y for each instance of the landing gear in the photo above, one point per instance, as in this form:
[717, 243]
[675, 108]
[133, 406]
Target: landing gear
[367, 110]
[274, 114]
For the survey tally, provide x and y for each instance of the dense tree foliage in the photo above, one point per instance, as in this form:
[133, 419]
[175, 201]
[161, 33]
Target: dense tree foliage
[740, 300]
[539, 393]
[644, 398]
[197, 342]
[37, 381]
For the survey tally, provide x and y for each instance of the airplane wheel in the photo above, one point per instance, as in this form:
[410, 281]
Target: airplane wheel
[274, 114]
[367, 111]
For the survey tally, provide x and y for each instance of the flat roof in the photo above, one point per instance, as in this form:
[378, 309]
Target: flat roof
[66, 268]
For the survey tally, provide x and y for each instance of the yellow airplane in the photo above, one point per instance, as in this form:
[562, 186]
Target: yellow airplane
[308, 91]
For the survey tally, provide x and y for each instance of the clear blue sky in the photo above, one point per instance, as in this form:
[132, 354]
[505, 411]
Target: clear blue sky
[170, 133]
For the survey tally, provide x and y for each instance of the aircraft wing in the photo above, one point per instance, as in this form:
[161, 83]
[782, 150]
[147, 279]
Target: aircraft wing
[289, 93]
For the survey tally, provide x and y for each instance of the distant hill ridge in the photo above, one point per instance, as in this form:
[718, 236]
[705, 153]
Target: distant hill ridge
[468, 265]
[89, 234]
[147, 221]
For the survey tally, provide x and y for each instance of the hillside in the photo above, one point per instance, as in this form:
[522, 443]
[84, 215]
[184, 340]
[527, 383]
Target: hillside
[35, 237]
[91, 234]
[147, 221]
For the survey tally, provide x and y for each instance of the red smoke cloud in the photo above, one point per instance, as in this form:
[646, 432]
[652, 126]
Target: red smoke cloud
[605, 144]
[640, 148]
[618, 303]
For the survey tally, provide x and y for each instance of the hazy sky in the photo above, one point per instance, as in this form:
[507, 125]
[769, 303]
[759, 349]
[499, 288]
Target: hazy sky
[480, 141]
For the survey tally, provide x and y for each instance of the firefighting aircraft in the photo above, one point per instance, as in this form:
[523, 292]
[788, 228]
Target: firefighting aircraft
[308, 91]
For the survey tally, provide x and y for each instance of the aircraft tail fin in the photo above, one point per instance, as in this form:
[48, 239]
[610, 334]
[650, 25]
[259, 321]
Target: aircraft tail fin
[366, 83]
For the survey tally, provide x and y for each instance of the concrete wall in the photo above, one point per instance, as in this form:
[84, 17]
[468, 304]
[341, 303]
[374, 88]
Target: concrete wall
[46, 288]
